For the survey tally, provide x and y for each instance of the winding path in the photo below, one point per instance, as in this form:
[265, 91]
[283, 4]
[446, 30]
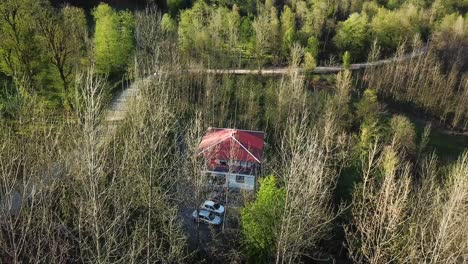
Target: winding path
[317, 70]
[119, 105]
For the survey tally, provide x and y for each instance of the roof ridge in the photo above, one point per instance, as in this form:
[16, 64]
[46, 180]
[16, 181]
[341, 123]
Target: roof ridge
[237, 129]
[248, 151]
[209, 147]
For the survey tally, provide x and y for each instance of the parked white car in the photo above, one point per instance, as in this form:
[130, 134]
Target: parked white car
[206, 217]
[212, 207]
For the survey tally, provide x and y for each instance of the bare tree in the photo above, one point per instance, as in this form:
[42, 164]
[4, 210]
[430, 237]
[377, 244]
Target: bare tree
[31, 172]
[94, 193]
[151, 40]
[309, 179]
[379, 209]
[193, 168]
[149, 162]
[422, 81]
[439, 232]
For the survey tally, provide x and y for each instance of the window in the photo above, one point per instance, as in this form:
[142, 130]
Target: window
[223, 162]
[211, 216]
[240, 179]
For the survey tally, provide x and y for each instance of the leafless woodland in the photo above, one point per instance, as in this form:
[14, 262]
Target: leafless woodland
[81, 189]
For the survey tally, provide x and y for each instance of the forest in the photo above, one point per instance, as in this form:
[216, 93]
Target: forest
[103, 106]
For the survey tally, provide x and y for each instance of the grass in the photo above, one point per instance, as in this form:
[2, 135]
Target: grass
[447, 147]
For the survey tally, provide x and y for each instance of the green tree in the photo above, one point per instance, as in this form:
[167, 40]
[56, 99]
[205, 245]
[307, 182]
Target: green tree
[367, 109]
[233, 24]
[370, 133]
[391, 28]
[403, 133]
[113, 38]
[20, 44]
[370, 9]
[168, 25]
[65, 33]
[274, 32]
[309, 61]
[176, 5]
[288, 29]
[261, 218]
[314, 17]
[368, 114]
[346, 60]
[353, 35]
[261, 27]
[393, 4]
[266, 27]
[312, 46]
[193, 36]
[126, 27]
[219, 29]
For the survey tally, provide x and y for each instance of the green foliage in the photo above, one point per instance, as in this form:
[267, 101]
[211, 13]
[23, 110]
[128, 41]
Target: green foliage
[391, 28]
[113, 39]
[168, 24]
[370, 134]
[106, 38]
[260, 220]
[191, 27]
[21, 48]
[176, 5]
[309, 61]
[266, 28]
[41, 48]
[353, 35]
[233, 24]
[9, 98]
[65, 34]
[213, 34]
[346, 60]
[312, 46]
[245, 6]
[394, 4]
[370, 9]
[403, 133]
[262, 35]
[367, 113]
[367, 109]
[387, 29]
[288, 29]
[314, 18]
[450, 38]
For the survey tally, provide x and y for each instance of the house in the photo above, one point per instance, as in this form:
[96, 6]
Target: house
[232, 157]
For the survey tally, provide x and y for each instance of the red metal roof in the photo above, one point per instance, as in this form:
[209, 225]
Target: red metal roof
[232, 144]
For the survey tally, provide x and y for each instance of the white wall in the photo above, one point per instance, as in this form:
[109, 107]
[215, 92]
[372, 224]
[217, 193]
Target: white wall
[248, 184]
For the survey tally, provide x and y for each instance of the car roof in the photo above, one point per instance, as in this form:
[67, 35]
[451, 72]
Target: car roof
[209, 203]
[203, 213]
